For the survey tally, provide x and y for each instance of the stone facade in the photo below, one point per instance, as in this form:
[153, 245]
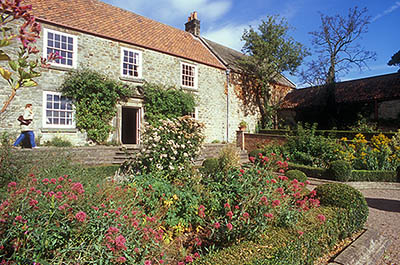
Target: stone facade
[104, 56]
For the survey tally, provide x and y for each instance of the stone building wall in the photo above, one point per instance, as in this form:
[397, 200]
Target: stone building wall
[104, 56]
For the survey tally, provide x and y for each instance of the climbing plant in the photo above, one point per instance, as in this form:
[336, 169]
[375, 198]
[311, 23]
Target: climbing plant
[95, 97]
[162, 103]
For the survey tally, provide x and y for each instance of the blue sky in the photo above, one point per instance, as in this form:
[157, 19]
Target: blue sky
[224, 21]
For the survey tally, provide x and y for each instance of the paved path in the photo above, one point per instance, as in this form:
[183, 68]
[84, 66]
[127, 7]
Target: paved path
[384, 214]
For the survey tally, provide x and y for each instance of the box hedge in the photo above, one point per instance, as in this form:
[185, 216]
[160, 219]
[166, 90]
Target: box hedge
[286, 245]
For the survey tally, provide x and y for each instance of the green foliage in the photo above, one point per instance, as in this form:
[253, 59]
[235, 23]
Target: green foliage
[228, 158]
[9, 164]
[58, 142]
[271, 52]
[308, 148]
[256, 152]
[95, 98]
[161, 103]
[210, 166]
[339, 170]
[286, 245]
[345, 196]
[374, 175]
[296, 174]
[363, 125]
[312, 172]
[395, 60]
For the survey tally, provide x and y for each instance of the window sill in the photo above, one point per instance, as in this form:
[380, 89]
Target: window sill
[191, 89]
[61, 68]
[132, 79]
[58, 130]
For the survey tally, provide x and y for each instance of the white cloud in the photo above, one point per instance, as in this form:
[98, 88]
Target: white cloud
[387, 11]
[175, 11]
[228, 35]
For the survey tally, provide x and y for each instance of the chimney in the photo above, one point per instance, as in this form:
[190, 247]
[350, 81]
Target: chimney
[193, 24]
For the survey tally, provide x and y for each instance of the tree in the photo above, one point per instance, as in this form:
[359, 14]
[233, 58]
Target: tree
[337, 47]
[270, 53]
[19, 72]
[395, 60]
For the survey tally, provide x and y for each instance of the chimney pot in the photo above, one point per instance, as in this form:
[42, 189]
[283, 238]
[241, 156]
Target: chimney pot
[193, 24]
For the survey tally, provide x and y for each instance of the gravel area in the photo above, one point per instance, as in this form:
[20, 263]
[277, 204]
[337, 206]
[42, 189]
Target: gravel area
[384, 216]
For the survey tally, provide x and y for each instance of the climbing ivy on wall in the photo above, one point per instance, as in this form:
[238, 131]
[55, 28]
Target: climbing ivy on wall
[95, 97]
[162, 103]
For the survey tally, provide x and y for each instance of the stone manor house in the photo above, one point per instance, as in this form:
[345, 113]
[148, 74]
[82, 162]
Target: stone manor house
[133, 49]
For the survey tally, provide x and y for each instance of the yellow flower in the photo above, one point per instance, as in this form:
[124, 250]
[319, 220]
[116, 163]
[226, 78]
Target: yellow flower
[175, 197]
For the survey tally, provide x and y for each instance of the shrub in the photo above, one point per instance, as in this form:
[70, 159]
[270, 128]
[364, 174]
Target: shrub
[169, 147]
[58, 142]
[162, 103]
[345, 196]
[228, 158]
[312, 172]
[256, 152]
[296, 174]
[339, 170]
[307, 148]
[373, 175]
[210, 166]
[95, 98]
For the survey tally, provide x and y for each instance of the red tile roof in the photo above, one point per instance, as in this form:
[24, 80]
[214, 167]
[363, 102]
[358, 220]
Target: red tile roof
[104, 20]
[383, 87]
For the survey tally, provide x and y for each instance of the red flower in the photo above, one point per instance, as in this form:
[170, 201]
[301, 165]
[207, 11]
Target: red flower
[121, 259]
[252, 159]
[80, 216]
[321, 217]
[246, 215]
[217, 225]
[188, 259]
[276, 203]
[18, 218]
[230, 214]
[12, 184]
[229, 226]
[226, 205]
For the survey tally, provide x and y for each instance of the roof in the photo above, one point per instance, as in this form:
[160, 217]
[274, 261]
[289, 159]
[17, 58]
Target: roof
[231, 57]
[383, 87]
[104, 20]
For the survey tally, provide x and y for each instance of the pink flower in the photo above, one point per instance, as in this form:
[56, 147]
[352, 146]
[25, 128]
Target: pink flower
[12, 184]
[46, 181]
[147, 262]
[136, 250]
[33, 202]
[196, 255]
[188, 259]
[217, 225]
[60, 179]
[269, 215]
[161, 261]
[252, 159]
[80, 216]
[246, 215]
[276, 203]
[181, 263]
[229, 226]
[226, 205]
[18, 218]
[230, 214]
[120, 242]
[121, 259]
[300, 233]
[273, 180]
[78, 187]
[321, 217]
[53, 180]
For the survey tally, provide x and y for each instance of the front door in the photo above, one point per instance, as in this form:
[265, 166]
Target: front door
[130, 125]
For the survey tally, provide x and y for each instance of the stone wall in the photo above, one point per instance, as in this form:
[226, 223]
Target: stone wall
[389, 109]
[103, 55]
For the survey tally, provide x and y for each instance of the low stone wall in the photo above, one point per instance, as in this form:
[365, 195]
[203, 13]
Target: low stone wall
[251, 141]
[87, 155]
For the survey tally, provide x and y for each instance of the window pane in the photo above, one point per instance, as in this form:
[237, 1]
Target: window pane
[64, 38]
[57, 37]
[70, 40]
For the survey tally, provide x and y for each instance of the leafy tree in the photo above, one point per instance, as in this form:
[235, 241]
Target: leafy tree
[20, 71]
[337, 47]
[395, 60]
[270, 53]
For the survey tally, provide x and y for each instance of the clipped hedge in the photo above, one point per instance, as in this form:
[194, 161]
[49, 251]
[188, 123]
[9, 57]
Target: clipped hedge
[377, 176]
[286, 245]
[347, 197]
[311, 172]
[339, 170]
[296, 174]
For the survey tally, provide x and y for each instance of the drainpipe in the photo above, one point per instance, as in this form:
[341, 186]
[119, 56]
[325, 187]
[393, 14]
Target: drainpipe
[227, 104]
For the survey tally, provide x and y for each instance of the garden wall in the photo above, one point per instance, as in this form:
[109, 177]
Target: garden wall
[251, 141]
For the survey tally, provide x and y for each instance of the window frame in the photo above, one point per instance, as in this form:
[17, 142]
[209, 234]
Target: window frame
[74, 48]
[195, 81]
[44, 113]
[140, 63]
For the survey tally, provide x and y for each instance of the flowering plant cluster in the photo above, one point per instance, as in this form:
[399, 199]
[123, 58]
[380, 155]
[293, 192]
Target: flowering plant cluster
[29, 29]
[254, 199]
[380, 153]
[55, 220]
[170, 146]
